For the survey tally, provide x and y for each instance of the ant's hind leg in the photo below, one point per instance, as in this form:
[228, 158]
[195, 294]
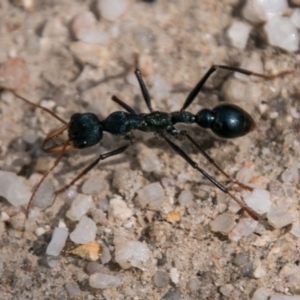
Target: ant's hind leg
[210, 159]
[217, 184]
[94, 163]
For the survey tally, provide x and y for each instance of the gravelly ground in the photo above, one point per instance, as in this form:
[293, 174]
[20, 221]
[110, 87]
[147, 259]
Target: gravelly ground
[182, 39]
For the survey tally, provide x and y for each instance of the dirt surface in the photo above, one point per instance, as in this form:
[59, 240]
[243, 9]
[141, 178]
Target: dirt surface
[176, 42]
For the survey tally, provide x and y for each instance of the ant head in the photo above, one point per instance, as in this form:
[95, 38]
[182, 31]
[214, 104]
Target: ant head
[85, 130]
[226, 121]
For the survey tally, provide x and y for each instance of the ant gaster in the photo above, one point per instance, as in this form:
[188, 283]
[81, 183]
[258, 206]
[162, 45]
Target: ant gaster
[86, 129]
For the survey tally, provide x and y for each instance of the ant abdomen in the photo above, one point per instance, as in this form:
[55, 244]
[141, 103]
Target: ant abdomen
[85, 130]
[226, 120]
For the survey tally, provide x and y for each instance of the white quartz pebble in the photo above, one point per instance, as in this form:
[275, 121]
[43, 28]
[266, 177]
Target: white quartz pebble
[80, 206]
[112, 9]
[238, 34]
[258, 11]
[223, 223]
[118, 209]
[131, 254]
[279, 218]
[151, 196]
[58, 241]
[84, 232]
[258, 200]
[13, 188]
[244, 228]
[281, 32]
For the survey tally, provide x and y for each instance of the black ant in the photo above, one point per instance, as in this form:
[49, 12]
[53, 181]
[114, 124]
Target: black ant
[86, 130]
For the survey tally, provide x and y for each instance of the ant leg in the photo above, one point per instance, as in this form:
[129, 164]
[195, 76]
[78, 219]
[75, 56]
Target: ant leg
[144, 89]
[123, 104]
[93, 164]
[41, 107]
[62, 151]
[232, 180]
[195, 91]
[179, 151]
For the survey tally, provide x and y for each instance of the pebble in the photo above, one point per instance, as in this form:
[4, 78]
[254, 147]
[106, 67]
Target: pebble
[72, 289]
[112, 9]
[45, 195]
[94, 267]
[223, 223]
[150, 196]
[226, 289]
[58, 241]
[259, 11]
[283, 297]
[296, 230]
[279, 218]
[105, 255]
[186, 198]
[245, 227]
[13, 74]
[194, 285]
[260, 294]
[13, 188]
[172, 294]
[291, 175]
[238, 34]
[119, 210]
[259, 272]
[173, 216]
[86, 29]
[94, 185]
[80, 206]
[282, 33]
[90, 251]
[104, 281]
[149, 160]
[161, 279]
[258, 200]
[174, 275]
[131, 254]
[241, 259]
[295, 17]
[84, 232]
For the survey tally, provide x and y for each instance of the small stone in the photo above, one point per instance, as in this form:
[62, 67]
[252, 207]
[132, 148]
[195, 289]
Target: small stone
[149, 160]
[119, 210]
[104, 281]
[17, 221]
[112, 9]
[174, 275]
[283, 297]
[258, 200]
[194, 285]
[131, 254]
[105, 255]
[173, 216]
[223, 223]
[94, 267]
[245, 227]
[94, 185]
[40, 231]
[238, 33]
[241, 259]
[185, 198]
[226, 289]
[172, 294]
[90, 251]
[296, 230]
[161, 279]
[151, 196]
[72, 289]
[279, 218]
[259, 11]
[260, 294]
[295, 17]
[44, 196]
[282, 33]
[80, 206]
[13, 188]
[259, 272]
[291, 175]
[84, 232]
[58, 241]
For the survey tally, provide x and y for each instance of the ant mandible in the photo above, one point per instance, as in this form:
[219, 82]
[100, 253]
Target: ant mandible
[86, 129]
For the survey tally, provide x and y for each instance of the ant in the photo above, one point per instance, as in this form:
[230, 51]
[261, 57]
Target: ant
[86, 129]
